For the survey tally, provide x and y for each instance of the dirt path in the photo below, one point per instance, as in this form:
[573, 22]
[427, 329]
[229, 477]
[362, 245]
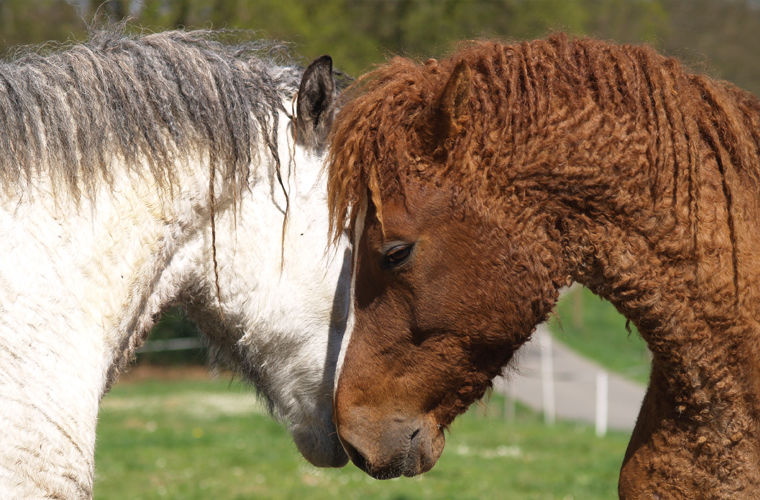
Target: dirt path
[575, 385]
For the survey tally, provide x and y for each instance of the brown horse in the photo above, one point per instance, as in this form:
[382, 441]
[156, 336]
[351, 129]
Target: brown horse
[477, 186]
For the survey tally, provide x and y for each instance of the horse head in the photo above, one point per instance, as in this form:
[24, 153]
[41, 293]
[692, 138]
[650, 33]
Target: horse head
[283, 297]
[445, 288]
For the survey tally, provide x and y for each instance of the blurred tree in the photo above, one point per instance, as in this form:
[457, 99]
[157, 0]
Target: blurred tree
[359, 33]
[34, 21]
[721, 38]
[632, 21]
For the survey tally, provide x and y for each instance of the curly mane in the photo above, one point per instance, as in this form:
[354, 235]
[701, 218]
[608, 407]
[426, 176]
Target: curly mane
[152, 99]
[527, 89]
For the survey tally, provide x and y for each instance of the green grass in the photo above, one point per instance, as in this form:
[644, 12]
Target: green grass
[594, 328]
[210, 440]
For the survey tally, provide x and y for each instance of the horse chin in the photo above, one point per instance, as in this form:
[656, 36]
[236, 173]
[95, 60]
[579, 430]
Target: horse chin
[319, 445]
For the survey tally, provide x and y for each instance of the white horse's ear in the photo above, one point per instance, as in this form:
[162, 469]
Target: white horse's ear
[316, 104]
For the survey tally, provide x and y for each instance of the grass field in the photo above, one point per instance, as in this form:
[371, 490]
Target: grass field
[594, 328]
[210, 439]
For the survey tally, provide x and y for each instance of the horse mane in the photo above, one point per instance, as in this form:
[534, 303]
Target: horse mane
[526, 89]
[145, 100]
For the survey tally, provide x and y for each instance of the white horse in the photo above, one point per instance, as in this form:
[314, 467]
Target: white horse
[108, 155]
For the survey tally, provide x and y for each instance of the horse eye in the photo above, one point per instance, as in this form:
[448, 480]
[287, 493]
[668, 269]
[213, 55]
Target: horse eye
[397, 255]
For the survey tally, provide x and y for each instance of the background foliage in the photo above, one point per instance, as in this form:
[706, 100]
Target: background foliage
[720, 37]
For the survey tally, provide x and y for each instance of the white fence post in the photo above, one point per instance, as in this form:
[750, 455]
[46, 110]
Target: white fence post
[601, 403]
[509, 400]
[547, 378]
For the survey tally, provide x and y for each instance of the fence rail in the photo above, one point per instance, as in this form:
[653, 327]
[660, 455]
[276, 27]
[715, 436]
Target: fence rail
[180, 344]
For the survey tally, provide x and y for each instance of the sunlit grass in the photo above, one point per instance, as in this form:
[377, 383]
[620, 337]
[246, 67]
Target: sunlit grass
[206, 439]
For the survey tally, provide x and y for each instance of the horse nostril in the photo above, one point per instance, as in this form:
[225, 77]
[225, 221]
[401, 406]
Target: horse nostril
[414, 434]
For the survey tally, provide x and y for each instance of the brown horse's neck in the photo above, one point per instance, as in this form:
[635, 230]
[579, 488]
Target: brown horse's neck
[649, 179]
[658, 212]
[649, 176]
[662, 221]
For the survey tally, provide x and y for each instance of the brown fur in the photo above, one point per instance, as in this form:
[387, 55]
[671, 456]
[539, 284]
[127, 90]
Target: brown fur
[518, 168]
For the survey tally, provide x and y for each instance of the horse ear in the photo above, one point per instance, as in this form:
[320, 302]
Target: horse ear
[316, 100]
[449, 112]
[455, 97]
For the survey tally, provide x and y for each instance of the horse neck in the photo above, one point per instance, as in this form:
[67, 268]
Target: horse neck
[83, 283]
[178, 255]
[120, 255]
[688, 278]
[657, 212]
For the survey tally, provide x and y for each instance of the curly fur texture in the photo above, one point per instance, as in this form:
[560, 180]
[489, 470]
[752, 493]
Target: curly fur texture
[584, 160]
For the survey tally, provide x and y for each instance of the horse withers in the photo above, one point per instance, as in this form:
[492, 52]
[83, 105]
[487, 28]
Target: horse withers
[477, 186]
[140, 173]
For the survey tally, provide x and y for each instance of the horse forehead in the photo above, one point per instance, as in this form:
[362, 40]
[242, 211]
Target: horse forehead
[415, 211]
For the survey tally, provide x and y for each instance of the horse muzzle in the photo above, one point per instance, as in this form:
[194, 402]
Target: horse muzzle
[392, 446]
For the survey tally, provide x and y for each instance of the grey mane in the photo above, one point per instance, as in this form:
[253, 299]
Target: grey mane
[141, 99]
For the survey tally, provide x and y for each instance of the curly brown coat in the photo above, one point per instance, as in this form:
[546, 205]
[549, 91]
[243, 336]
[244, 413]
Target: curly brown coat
[644, 178]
